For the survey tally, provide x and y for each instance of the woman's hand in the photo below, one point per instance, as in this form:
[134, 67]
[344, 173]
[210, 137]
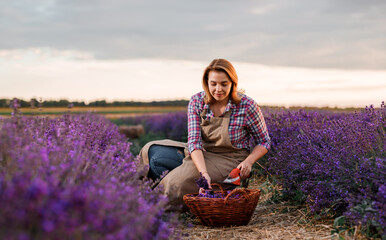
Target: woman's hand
[246, 165]
[207, 177]
[245, 168]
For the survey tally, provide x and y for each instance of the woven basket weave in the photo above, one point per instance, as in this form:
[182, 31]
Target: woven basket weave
[227, 211]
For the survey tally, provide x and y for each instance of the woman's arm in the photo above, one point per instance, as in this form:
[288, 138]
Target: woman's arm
[199, 162]
[259, 133]
[246, 165]
[194, 136]
[194, 128]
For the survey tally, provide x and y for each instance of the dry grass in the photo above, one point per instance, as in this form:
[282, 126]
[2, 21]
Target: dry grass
[269, 221]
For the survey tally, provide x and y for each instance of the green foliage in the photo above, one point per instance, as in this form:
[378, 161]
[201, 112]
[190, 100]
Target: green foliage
[370, 228]
[271, 187]
[340, 225]
[142, 140]
[297, 197]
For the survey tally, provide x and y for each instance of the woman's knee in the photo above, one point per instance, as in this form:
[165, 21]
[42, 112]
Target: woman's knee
[155, 170]
[163, 158]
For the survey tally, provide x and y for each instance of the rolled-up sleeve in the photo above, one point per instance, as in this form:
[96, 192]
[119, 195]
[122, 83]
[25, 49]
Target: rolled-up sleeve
[194, 129]
[257, 127]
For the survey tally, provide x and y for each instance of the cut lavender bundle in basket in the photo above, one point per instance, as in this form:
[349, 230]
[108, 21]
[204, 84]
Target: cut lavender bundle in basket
[211, 194]
[202, 182]
[208, 192]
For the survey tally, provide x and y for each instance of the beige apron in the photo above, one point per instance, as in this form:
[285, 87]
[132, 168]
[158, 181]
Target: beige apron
[219, 154]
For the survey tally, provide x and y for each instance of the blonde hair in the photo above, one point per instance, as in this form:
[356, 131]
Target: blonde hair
[221, 65]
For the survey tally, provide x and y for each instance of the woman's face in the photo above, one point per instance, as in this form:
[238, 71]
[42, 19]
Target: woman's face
[219, 86]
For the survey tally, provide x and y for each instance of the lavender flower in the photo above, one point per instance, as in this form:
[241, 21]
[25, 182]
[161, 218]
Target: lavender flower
[202, 182]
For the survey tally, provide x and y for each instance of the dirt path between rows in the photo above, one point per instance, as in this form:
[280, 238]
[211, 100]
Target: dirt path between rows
[269, 221]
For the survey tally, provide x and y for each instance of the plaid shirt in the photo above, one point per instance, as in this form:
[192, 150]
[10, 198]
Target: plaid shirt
[246, 129]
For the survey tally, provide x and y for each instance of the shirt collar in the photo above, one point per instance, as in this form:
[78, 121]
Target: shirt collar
[228, 107]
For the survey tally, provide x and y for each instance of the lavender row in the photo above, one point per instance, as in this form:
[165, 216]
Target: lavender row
[336, 163]
[74, 177]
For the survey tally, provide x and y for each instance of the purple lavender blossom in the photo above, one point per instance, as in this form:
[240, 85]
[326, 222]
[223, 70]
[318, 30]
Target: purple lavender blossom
[202, 182]
[74, 176]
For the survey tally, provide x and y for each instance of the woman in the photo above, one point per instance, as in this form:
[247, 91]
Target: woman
[226, 129]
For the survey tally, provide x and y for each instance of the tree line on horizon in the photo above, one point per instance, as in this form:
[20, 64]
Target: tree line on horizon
[34, 103]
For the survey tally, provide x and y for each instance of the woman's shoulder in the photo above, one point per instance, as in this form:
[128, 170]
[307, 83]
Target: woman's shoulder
[247, 101]
[198, 96]
[197, 101]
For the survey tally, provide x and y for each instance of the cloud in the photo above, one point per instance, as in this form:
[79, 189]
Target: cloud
[265, 9]
[358, 88]
[318, 34]
[43, 53]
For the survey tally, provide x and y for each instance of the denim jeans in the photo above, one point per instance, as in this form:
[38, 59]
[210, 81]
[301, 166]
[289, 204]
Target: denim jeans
[163, 158]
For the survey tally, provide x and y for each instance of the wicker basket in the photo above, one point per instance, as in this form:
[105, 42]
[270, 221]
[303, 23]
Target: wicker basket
[217, 212]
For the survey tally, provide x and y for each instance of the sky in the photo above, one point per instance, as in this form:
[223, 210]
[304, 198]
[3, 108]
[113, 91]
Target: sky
[286, 53]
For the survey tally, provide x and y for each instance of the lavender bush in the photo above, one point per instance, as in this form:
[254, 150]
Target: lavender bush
[334, 162]
[74, 178]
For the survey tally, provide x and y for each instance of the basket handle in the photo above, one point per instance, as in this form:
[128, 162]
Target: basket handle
[235, 191]
[218, 185]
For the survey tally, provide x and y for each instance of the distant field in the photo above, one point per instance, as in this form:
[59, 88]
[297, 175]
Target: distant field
[118, 112]
[109, 112]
